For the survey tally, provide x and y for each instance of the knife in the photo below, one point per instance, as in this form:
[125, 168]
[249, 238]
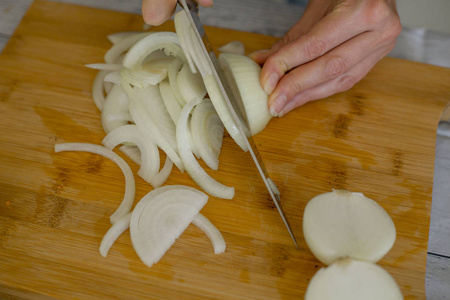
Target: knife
[191, 9]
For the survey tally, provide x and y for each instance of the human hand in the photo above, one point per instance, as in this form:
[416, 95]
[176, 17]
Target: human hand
[156, 12]
[333, 46]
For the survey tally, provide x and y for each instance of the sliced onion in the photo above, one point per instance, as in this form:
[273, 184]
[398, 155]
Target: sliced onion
[345, 224]
[161, 217]
[160, 178]
[166, 41]
[116, 103]
[149, 152]
[150, 73]
[128, 199]
[180, 29]
[190, 85]
[98, 93]
[174, 68]
[197, 173]
[234, 47]
[222, 110]
[207, 133]
[242, 73]
[116, 37]
[114, 53]
[349, 279]
[133, 153]
[106, 67]
[151, 100]
[211, 232]
[170, 102]
[113, 233]
[114, 77]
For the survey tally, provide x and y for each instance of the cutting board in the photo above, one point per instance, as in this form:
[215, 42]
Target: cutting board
[378, 138]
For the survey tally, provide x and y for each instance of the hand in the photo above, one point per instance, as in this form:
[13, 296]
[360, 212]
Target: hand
[156, 12]
[333, 46]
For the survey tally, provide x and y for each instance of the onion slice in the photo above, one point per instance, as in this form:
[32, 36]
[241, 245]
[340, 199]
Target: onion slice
[234, 47]
[197, 173]
[345, 224]
[113, 233]
[113, 54]
[349, 279]
[128, 199]
[166, 41]
[211, 232]
[161, 217]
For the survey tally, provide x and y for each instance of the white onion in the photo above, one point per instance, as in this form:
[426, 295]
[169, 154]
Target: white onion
[190, 85]
[170, 101]
[116, 103]
[106, 67]
[197, 173]
[113, 233]
[128, 198]
[161, 217]
[147, 74]
[211, 232]
[344, 224]
[234, 47]
[98, 94]
[149, 152]
[116, 37]
[166, 41]
[349, 279]
[113, 54]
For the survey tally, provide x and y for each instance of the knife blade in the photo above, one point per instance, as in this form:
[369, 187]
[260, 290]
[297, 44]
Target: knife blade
[191, 9]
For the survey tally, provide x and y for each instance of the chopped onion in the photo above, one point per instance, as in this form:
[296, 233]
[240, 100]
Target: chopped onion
[113, 54]
[113, 233]
[116, 37]
[190, 85]
[142, 119]
[116, 103]
[180, 29]
[344, 224]
[349, 279]
[170, 102]
[211, 232]
[160, 178]
[150, 73]
[98, 94]
[149, 152]
[174, 68]
[114, 77]
[106, 67]
[166, 41]
[128, 199]
[207, 133]
[197, 173]
[161, 217]
[234, 47]
[133, 153]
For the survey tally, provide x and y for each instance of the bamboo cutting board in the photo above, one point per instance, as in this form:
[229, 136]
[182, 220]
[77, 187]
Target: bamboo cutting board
[378, 139]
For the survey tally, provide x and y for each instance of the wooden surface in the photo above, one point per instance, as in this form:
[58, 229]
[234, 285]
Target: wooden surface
[378, 139]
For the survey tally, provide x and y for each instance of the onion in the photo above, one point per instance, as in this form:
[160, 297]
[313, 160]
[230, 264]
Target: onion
[116, 103]
[242, 73]
[170, 101]
[128, 198]
[190, 85]
[197, 173]
[234, 47]
[149, 152]
[113, 54]
[166, 41]
[349, 279]
[113, 233]
[106, 67]
[174, 68]
[148, 74]
[207, 132]
[345, 224]
[98, 94]
[161, 217]
[211, 232]
[116, 37]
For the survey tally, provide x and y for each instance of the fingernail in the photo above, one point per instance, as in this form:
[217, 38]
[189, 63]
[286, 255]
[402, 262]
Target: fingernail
[277, 105]
[254, 55]
[271, 83]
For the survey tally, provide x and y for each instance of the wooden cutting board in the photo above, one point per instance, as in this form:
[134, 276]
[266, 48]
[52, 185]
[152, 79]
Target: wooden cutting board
[378, 139]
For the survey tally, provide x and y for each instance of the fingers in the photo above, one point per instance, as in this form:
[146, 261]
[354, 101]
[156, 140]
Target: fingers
[328, 67]
[340, 25]
[340, 84]
[314, 11]
[156, 12]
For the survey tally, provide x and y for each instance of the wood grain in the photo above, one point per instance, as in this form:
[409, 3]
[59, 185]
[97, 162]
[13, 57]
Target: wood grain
[378, 138]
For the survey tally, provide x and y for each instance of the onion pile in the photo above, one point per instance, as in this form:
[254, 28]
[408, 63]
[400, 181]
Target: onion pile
[155, 92]
[350, 233]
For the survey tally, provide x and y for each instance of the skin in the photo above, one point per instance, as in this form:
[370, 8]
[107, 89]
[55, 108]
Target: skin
[333, 46]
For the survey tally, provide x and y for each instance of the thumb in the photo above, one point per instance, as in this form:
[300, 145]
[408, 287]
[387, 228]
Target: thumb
[156, 12]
